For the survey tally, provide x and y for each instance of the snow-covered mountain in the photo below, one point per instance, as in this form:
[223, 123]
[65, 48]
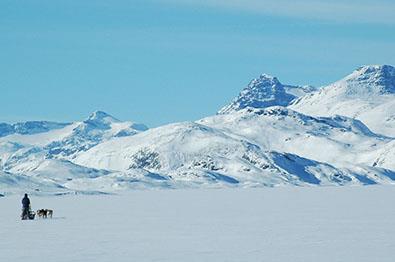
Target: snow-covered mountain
[367, 94]
[45, 154]
[250, 147]
[270, 135]
[97, 128]
[29, 127]
[319, 138]
[265, 91]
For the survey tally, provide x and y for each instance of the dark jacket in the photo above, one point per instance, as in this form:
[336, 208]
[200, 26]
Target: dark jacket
[25, 202]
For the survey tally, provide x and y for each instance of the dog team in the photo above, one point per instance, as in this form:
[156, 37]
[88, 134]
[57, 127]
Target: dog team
[28, 214]
[44, 213]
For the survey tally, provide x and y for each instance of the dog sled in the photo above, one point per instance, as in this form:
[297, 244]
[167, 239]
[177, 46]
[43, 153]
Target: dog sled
[28, 215]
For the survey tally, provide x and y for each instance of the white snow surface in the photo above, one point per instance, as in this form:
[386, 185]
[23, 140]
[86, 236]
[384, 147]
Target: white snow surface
[326, 224]
[270, 135]
[247, 148]
[367, 94]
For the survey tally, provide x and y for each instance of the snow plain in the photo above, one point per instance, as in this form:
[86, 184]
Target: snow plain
[284, 224]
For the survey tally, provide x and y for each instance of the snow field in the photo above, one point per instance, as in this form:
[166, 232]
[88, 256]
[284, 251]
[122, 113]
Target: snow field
[268, 224]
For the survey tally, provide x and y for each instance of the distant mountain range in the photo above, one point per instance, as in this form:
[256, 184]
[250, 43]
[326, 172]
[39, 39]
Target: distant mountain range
[271, 134]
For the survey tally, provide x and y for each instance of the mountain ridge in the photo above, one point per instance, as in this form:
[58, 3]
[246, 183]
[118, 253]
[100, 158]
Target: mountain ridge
[270, 135]
[367, 94]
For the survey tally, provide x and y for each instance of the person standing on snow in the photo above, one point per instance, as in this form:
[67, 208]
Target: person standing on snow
[25, 207]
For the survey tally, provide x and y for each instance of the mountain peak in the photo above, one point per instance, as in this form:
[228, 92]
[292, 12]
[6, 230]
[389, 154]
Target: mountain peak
[268, 77]
[375, 68]
[102, 117]
[378, 79]
[263, 81]
[261, 92]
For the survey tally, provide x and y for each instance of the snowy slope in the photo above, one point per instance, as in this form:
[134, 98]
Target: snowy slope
[17, 183]
[338, 135]
[319, 138]
[196, 153]
[75, 137]
[367, 94]
[299, 91]
[44, 156]
[383, 156]
[97, 128]
[265, 91]
[29, 169]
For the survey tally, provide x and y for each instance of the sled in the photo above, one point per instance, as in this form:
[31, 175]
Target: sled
[29, 216]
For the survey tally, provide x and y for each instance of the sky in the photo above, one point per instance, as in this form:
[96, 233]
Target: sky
[164, 61]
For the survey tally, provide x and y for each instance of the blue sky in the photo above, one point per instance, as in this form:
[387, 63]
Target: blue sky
[164, 61]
